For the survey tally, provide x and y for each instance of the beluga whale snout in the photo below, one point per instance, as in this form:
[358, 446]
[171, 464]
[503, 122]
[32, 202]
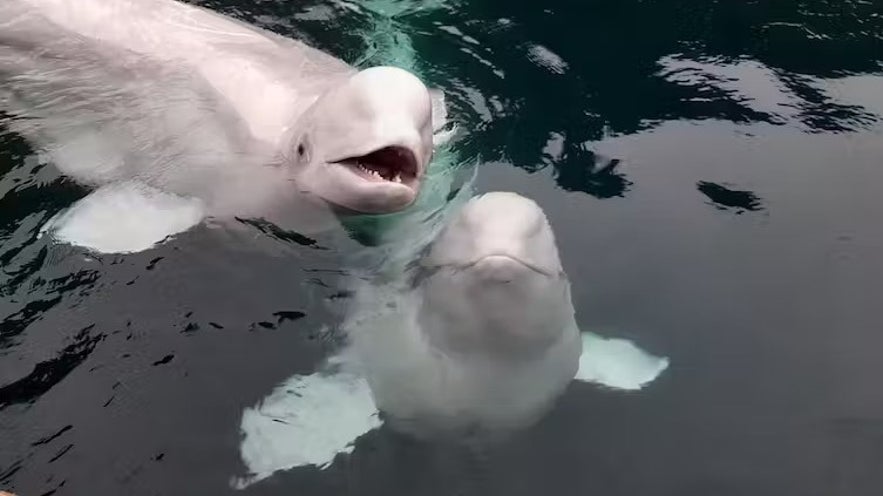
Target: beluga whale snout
[496, 283]
[499, 224]
[365, 144]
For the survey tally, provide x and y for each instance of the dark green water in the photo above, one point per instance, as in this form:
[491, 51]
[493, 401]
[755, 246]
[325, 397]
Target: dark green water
[712, 170]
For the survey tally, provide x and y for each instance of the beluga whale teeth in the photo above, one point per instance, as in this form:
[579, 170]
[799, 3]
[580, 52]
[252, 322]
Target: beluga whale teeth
[390, 163]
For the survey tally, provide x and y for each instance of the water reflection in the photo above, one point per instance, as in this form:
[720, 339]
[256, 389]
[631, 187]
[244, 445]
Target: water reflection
[724, 198]
[710, 61]
[42, 296]
[600, 180]
[46, 374]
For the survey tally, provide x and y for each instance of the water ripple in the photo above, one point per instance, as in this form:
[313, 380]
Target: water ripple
[45, 375]
[653, 107]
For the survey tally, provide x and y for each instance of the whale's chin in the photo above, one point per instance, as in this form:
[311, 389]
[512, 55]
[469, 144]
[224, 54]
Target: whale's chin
[373, 198]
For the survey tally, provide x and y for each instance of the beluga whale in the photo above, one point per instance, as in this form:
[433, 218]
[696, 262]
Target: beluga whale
[476, 340]
[173, 113]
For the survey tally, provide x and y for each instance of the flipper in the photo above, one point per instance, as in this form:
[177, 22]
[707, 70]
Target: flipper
[617, 363]
[124, 218]
[306, 421]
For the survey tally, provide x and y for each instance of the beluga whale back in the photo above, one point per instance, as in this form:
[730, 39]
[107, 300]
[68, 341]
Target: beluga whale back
[209, 116]
[475, 341]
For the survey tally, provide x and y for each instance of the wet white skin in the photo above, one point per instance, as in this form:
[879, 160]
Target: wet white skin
[478, 341]
[365, 143]
[193, 103]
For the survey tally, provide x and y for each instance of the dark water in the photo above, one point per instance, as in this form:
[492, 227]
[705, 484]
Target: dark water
[712, 170]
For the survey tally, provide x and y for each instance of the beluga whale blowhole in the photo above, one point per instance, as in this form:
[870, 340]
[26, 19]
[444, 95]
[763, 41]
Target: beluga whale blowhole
[475, 341]
[187, 114]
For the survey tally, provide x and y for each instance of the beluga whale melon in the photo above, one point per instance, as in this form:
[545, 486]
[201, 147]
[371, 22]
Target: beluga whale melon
[173, 113]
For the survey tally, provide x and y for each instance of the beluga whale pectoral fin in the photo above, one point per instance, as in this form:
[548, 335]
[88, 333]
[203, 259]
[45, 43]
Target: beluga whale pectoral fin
[124, 218]
[617, 363]
[308, 420]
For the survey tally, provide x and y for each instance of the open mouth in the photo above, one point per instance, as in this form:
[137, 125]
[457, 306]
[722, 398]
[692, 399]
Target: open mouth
[391, 163]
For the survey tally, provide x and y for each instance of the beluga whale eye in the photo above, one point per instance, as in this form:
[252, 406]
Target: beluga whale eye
[303, 151]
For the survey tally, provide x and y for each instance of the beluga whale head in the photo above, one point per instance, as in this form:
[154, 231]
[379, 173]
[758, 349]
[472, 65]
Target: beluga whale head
[365, 143]
[479, 338]
[496, 284]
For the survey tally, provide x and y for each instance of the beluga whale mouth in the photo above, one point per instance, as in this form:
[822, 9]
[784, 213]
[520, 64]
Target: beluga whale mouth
[394, 164]
[504, 267]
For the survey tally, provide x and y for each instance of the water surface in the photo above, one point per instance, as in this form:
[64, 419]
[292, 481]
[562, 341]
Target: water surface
[712, 172]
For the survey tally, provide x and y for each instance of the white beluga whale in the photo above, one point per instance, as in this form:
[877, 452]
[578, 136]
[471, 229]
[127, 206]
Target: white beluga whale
[200, 115]
[477, 339]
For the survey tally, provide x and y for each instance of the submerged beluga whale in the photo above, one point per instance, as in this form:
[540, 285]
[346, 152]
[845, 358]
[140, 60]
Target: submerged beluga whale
[175, 113]
[475, 341]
